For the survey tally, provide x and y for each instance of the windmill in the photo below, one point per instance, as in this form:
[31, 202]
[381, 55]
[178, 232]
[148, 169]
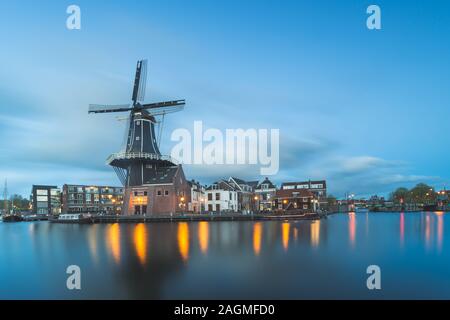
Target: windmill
[140, 157]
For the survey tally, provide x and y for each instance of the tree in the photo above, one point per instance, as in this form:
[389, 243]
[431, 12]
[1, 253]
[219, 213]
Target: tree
[401, 195]
[423, 193]
[20, 202]
[331, 200]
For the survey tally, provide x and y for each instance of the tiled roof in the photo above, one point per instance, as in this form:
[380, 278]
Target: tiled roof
[266, 181]
[162, 175]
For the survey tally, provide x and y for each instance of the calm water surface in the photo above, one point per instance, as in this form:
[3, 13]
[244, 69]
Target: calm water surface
[296, 259]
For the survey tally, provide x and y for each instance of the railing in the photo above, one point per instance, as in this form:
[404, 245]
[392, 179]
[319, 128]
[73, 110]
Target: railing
[138, 155]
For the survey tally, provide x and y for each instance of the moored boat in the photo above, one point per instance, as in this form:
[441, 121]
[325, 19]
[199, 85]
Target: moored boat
[72, 218]
[12, 218]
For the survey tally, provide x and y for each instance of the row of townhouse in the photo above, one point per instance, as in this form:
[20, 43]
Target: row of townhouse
[225, 195]
[237, 195]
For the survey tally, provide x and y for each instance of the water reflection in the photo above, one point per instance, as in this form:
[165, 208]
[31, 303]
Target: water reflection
[315, 233]
[285, 227]
[92, 242]
[203, 236]
[113, 241]
[140, 242]
[352, 228]
[402, 229]
[440, 229]
[427, 231]
[183, 240]
[149, 261]
[257, 236]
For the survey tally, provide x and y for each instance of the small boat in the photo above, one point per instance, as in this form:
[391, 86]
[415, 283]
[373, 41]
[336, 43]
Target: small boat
[72, 218]
[12, 217]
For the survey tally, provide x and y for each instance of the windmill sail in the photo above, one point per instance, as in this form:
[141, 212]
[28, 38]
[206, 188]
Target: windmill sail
[140, 81]
[101, 108]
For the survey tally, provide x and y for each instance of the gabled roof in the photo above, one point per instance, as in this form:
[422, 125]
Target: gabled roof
[222, 185]
[238, 181]
[241, 182]
[266, 181]
[252, 184]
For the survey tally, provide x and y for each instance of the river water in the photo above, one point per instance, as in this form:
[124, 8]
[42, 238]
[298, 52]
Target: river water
[231, 260]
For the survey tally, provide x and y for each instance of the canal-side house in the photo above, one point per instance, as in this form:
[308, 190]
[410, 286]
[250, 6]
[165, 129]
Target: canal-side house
[264, 193]
[317, 187]
[246, 194]
[221, 196]
[296, 201]
[196, 197]
[164, 192]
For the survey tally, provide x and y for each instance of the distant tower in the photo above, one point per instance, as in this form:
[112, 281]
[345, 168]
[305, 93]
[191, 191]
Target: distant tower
[5, 197]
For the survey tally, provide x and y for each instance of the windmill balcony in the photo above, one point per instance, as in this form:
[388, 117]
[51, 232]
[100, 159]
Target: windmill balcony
[138, 156]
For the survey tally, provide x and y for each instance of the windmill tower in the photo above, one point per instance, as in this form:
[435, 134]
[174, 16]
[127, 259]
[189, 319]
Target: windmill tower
[140, 162]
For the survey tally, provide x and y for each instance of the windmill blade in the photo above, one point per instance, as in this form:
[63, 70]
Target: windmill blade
[165, 110]
[173, 103]
[103, 108]
[143, 81]
[140, 80]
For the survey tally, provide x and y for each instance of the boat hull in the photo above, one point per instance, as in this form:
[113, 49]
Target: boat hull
[12, 218]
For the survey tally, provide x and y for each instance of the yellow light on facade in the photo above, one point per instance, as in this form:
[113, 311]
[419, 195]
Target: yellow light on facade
[256, 198]
[285, 201]
[182, 199]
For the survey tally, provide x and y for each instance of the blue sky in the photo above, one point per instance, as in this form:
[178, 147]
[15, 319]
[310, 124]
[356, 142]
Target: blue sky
[366, 110]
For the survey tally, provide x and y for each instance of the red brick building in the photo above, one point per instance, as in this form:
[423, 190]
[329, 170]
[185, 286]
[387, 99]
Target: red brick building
[166, 192]
[295, 200]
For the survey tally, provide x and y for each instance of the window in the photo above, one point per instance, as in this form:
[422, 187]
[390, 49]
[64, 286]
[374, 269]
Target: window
[41, 198]
[305, 207]
[145, 193]
[135, 193]
[166, 192]
[231, 196]
[210, 207]
[217, 207]
[138, 138]
[41, 192]
[210, 198]
[159, 193]
[217, 196]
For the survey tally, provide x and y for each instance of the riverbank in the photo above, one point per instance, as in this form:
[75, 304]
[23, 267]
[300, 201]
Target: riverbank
[203, 217]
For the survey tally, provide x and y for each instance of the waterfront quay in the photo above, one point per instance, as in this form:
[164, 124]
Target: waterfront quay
[202, 217]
